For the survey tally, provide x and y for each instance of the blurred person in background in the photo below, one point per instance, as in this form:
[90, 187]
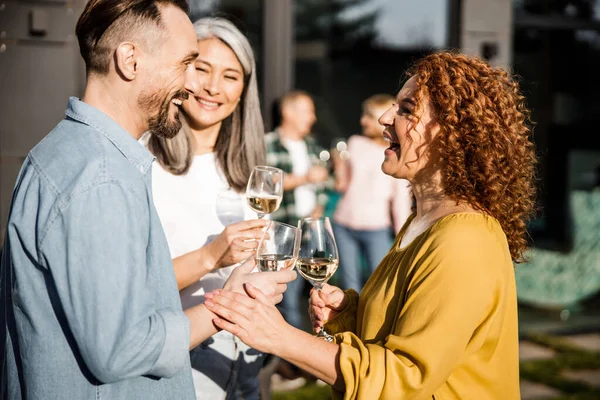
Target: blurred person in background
[291, 149]
[90, 305]
[438, 318]
[373, 206]
[199, 186]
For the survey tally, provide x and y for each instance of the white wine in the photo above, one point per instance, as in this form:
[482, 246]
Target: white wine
[264, 204]
[317, 270]
[274, 262]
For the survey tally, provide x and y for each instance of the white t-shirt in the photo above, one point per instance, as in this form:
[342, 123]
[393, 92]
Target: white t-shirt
[305, 196]
[195, 208]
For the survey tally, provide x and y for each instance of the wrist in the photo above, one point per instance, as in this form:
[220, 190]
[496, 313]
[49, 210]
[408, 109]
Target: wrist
[233, 284]
[344, 303]
[205, 260]
[287, 334]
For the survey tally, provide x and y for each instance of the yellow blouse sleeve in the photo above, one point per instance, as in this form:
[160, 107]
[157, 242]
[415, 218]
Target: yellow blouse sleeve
[456, 288]
[345, 321]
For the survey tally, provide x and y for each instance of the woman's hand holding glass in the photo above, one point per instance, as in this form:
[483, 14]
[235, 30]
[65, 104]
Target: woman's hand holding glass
[236, 243]
[325, 304]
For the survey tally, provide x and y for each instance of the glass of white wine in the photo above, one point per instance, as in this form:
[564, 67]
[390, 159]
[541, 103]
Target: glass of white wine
[318, 256]
[265, 189]
[278, 248]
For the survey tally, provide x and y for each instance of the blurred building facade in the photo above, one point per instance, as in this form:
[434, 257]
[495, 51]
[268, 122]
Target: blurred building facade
[343, 51]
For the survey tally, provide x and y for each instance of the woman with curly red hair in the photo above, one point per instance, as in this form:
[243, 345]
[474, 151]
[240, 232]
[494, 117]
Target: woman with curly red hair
[438, 318]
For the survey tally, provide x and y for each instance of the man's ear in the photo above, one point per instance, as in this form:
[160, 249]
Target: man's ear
[126, 60]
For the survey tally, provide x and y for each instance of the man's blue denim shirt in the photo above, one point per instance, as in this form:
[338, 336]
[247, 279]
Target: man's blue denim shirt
[89, 303]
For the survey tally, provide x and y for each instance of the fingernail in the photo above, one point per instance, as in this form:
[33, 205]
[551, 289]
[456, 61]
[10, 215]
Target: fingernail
[209, 303]
[208, 295]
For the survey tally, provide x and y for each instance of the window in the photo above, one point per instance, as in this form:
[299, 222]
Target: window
[556, 47]
[347, 51]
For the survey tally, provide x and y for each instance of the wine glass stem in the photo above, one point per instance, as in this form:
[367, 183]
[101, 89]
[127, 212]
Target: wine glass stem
[322, 334]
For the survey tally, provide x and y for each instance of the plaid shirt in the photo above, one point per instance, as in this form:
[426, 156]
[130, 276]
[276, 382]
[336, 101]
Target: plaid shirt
[279, 157]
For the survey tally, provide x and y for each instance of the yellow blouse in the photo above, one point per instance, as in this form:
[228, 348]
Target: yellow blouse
[437, 319]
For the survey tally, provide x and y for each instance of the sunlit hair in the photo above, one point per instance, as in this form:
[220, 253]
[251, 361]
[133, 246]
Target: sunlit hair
[379, 100]
[484, 141]
[103, 24]
[240, 144]
[291, 97]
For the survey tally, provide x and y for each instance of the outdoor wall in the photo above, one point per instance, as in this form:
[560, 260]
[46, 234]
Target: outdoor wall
[40, 68]
[486, 30]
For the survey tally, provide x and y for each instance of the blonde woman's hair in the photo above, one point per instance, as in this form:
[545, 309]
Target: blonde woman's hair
[378, 100]
[240, 144]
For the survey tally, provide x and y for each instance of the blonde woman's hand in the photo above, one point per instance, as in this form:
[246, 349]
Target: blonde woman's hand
[325, 304]
[236, 243]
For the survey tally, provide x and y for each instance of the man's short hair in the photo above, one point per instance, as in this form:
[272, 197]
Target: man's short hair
[291, 97]
[106, 23]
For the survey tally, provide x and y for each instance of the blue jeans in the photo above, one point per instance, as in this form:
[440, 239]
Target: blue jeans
[290, 305]
[224, 368]
[355, 246]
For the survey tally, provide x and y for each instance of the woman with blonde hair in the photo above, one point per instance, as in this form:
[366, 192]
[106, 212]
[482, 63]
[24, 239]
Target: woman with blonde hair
[438, 318]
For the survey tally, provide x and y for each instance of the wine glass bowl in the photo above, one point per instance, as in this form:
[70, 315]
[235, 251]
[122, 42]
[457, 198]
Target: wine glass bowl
[229, 206]
[317, 270]
[318, 257]
[264, 191]
[278, 247]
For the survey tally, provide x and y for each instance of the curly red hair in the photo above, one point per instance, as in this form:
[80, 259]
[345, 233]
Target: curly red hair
[484, 139]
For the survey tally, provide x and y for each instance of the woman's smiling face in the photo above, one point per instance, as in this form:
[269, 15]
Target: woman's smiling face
[220, 78]
[409, 128]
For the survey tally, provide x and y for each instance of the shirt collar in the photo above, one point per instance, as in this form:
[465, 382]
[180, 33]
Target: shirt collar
[133, 150]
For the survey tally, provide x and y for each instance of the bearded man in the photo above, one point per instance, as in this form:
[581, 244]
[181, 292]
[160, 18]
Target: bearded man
[89, 306]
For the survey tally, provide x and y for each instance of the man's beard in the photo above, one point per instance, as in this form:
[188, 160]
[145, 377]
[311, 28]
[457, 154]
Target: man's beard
[159, 123]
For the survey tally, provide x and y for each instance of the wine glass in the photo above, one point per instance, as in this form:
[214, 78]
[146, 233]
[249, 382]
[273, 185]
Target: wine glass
[265, 189]
[229, 206]
[318, 256]
[278, 248]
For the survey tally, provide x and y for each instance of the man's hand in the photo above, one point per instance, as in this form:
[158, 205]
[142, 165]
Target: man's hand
[317, 174]
[317, 212]
[271, 284]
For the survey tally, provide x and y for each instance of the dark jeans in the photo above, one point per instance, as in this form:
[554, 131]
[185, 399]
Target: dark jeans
[290, 306]
[355, 246]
